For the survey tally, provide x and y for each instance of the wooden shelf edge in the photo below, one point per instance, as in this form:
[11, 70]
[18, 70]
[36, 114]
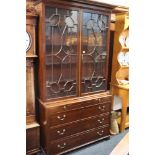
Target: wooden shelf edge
[32, 125]
[126, 87]
[31, 56]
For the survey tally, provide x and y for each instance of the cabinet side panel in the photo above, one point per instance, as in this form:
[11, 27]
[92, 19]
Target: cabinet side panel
[41, 49]
[43, 126]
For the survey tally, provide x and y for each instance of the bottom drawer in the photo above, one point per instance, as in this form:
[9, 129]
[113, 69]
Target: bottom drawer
[32, 138]
[76, 141]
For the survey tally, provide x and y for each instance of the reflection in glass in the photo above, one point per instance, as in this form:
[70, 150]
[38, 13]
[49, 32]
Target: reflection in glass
[94, 38]
[61, 52]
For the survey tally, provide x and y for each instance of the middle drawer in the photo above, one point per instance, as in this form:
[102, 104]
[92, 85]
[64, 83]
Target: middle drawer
[74, 115]
[77, 127]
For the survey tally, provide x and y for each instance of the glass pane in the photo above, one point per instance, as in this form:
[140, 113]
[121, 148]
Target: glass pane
[61, 52]
[94, 50]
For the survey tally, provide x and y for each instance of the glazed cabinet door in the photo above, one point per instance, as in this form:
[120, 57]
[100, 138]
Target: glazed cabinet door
[74, 51]
[61, 54]
[94, 51]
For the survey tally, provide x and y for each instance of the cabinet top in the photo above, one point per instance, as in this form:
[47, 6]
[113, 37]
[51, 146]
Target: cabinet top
[87, 2]
[31, 11]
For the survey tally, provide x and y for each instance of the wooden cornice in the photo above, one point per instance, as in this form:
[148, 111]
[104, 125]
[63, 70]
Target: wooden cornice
[30, 9]
[96, 3]
[120, 9]
[113, 7]
[89, 2]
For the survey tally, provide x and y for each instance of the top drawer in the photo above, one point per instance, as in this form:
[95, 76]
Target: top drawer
[75, 115]
[64, 108]
[77, 104]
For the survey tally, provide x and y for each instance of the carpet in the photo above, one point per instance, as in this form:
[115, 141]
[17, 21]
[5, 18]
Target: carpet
[103, 147]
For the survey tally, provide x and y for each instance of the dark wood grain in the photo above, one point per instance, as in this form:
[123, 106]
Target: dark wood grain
[32, 138]
[78, 126]
[71, 118]
[82, 139]
[76, 116]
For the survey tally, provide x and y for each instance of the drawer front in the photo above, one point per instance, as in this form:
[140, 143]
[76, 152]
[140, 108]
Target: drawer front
[64, 117]
[105, 99]
[95, 110]
[77, 105]
[90, 102]
[78, 114]
[77, 140]
[95, 122]
[77, 127]
[64, 108]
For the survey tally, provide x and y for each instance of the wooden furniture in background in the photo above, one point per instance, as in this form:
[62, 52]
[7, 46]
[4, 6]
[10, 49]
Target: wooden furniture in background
[32, 138]
[73, 71]
[120, 66]
[32, 127]
[123, 93]
[115, 10]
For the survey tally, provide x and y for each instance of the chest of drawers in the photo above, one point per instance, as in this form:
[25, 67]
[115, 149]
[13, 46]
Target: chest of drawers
[72, 123]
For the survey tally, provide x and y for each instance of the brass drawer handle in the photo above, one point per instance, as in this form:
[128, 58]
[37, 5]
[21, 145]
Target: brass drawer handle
[61, 118]
[61, 146]
[65, 107]
[45, 122]
[61, 133]
[100, 133]
[100, 121]
[102, 108]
